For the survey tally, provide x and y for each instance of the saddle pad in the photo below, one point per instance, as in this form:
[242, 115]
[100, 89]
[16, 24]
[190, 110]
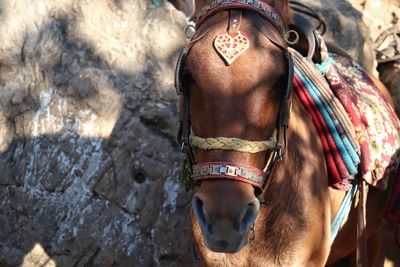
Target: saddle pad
[359, 130]
[376, 125]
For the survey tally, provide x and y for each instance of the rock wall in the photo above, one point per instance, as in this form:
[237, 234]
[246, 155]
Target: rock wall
[88, 162]
[89, 165]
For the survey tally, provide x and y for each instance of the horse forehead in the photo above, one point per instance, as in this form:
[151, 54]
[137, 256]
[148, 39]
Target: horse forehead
[261, 56]
[254, 66]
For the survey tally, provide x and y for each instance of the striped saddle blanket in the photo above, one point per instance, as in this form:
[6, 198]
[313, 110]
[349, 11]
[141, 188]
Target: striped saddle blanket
[359, 130]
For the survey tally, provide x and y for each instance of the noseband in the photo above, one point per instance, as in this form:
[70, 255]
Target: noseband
[270, 23]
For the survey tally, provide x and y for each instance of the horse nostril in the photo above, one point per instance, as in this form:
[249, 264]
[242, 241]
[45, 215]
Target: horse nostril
[250, 215]
[197, 205]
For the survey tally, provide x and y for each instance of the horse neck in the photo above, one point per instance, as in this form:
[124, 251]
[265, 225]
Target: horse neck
[281, 6]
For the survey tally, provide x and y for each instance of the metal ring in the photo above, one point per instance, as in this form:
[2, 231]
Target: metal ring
[287, 37]
[190, 30]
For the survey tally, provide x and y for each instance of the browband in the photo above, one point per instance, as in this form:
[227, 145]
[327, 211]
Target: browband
[261, 8]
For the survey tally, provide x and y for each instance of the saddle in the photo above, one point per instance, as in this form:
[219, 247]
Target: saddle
[309, 46]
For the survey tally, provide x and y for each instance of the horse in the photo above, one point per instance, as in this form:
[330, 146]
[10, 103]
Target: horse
[245, 221]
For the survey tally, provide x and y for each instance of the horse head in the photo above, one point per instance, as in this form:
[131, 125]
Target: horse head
[245, 102]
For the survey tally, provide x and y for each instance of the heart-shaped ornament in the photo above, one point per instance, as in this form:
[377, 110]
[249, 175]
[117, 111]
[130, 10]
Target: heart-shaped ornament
[231, 47]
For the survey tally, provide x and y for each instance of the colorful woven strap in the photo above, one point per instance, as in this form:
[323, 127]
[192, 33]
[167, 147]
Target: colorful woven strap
[233, 171]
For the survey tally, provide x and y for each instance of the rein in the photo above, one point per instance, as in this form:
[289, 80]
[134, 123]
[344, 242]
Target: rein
[263, 17]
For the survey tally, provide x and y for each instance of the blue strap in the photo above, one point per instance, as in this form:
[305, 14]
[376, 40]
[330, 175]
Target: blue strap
[343, 211]
[323, 67]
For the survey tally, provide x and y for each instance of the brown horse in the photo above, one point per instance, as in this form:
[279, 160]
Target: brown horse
[291, 227]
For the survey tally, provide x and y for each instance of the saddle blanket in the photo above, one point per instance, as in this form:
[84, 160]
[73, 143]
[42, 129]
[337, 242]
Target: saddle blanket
[359, 130]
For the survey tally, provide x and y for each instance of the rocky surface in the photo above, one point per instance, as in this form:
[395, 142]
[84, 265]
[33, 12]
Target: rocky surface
[390, 76]
[89, 166]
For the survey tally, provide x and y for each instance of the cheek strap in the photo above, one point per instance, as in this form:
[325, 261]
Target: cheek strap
[235, 20]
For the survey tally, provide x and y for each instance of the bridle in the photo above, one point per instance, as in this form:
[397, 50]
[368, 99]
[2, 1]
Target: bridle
[270, 23]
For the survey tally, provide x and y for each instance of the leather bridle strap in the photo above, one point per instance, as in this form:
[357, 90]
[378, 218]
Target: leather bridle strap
[235, 20]
[271, 33]
[261, 8]
[184, 112]
[184, 128]
[282, 123]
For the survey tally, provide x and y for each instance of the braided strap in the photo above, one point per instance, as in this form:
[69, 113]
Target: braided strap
[235, 144]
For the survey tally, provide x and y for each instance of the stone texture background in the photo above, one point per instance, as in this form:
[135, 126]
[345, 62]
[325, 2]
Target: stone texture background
[89, 165]
[88, 161]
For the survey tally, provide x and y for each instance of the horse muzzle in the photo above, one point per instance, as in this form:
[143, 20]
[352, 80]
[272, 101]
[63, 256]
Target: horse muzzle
[225, 220]
[225, 244]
